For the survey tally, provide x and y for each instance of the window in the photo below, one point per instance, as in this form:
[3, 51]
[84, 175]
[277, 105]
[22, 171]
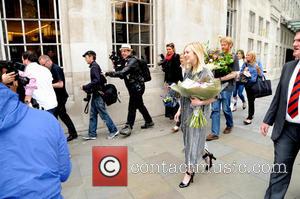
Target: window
[31, 25]
[282, 36]
[230, 18]
[280, 56]
[266, 49]
[258, 53]
[276, 55]
[278, 35]
[267, 29]
[250, 44]
[132, 22]
[260, 26]
[251, 21]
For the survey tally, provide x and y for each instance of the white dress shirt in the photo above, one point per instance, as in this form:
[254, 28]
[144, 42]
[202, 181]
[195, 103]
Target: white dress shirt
[44, 94]
[291, 85]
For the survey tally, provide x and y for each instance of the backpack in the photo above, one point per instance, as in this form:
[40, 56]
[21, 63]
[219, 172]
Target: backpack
[145, 72]
[110, 94]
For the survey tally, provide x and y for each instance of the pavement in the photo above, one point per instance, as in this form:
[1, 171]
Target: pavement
[241, 171]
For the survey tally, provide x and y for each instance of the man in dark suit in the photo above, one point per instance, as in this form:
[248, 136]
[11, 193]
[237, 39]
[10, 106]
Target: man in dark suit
[285, 115]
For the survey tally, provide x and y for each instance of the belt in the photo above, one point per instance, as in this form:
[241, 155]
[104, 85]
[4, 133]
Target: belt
[293, 124]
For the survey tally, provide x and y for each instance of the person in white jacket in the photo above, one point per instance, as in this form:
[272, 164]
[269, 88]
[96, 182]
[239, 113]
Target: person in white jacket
[44, 93]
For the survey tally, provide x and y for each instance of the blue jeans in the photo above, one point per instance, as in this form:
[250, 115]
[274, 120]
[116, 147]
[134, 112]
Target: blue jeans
[98, 106]
[216, 109]
[238, 90]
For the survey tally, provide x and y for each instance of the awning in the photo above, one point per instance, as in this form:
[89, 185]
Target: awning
[294, 25]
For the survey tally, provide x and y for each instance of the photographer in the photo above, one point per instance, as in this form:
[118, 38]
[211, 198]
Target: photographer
[134, 81]
[97, 105]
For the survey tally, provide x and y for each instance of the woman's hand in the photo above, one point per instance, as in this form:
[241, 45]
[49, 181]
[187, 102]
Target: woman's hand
[198, 102]
[177, 115]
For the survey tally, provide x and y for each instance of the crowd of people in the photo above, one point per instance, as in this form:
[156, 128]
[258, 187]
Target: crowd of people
[46, 90]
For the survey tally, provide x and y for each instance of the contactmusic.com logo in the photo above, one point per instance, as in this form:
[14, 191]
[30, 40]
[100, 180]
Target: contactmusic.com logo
[110, 165]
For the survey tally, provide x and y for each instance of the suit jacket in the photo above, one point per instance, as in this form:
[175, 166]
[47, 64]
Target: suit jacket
[277, 110]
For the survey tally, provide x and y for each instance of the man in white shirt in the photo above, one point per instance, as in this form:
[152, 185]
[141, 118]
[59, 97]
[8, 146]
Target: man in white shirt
[285, 115]
[44, 94]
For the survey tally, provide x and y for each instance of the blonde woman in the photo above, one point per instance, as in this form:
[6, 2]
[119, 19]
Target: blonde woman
[194, 138]
[252, 69]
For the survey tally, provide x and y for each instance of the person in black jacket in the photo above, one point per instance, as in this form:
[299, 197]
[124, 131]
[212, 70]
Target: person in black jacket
[59, 86]
[173, 74]
[134, 81]
[97, 104]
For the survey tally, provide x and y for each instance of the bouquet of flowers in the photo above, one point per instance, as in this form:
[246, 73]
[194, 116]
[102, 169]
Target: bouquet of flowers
[170, 97]
[218, 62]
[203, 90]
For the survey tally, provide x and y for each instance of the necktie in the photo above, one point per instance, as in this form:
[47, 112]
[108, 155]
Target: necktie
[294, 98]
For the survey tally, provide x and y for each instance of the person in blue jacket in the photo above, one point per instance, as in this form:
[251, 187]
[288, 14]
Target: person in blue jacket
[34, 154]
[251, 69]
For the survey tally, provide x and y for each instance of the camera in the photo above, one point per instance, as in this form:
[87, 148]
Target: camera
[117, 61]
[87, 98]
[162, 59]
[15, 67]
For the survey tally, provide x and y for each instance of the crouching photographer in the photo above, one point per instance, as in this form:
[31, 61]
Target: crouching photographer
[97, 104]
[133, 77]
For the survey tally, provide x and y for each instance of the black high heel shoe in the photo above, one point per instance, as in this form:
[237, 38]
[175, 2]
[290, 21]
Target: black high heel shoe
[211, 158]
[182, 185]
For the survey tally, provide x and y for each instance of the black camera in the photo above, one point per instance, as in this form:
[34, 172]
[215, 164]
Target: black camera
[117, 61]
[162, 60]
[15, 67]
[87, 98]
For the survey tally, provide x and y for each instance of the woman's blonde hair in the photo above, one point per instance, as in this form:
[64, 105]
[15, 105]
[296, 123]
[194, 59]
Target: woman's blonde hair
[253, 55]
[198, 50]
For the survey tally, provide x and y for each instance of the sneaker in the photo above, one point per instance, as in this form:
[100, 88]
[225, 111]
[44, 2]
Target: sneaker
[211, 137]
[244, 105]
[147, 125]
[126, 131]
[113, 135]
[227, 130]
[89, 138]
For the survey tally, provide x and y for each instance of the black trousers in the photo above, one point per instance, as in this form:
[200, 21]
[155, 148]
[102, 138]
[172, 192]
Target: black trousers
[136, 102]
[61, 112]
[286, 149]
[251, 99]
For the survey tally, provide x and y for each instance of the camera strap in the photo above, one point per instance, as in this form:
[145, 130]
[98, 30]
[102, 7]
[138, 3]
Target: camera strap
[86, 109]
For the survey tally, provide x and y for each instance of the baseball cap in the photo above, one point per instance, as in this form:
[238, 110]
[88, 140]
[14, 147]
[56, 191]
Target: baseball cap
[90, 52]
[125, 46]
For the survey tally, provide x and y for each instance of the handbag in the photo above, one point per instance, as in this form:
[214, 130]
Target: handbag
[244, 76]
[261, 87]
